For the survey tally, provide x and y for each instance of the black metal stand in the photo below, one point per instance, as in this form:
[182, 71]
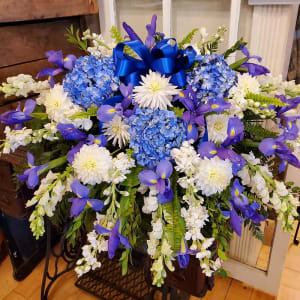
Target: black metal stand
[65, 252]
[296, 241]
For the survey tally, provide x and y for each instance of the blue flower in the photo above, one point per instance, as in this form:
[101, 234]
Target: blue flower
[212, 78]
[154, 133]
[91, 81]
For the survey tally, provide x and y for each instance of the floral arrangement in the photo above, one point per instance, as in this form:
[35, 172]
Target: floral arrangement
[157, 146]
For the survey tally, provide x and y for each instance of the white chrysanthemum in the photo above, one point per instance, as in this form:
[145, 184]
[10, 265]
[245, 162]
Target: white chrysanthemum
[217, 127]
[214, 175]
[155, 91]
[117, 131]
[248, 84]
[60, 107]
[92, 164]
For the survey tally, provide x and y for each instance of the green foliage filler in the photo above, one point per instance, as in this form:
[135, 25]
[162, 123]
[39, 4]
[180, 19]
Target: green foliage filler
[265, 99]
[188, 38]
[75, 39]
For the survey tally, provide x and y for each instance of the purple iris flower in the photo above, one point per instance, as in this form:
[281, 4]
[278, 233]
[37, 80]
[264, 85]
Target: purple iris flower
[183, 256]
[63, 64]
[160, 179]
[70, 132]
[19, 116]
[236, 221]
[270, 146]
[31, 175]
[240, 201]
[100, 140]
[79, 203]
[193, 116]
[290, 104]
[207, 149]
[107, 112]
[217, 105]
[235, 132]
[131, 33]
[151, 28]
[253, 69]
[115, 238]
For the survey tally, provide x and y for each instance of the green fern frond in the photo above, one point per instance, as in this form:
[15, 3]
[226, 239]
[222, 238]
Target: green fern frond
[234, 48]
[258, 132]
[74, 38]
[265, 99]
[188, 38]
[175, 229]
[116, 35]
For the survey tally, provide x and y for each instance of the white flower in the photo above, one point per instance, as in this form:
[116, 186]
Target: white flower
[281, 188]
[217, 127]
[245, 176]
[16, 138]
[248, 84]
[92, 164]
[250, 158]
[155, 91]
[121, 167]
[60, 108]
[152, 245]
[214, 175]
[195, 218]
[117, 131]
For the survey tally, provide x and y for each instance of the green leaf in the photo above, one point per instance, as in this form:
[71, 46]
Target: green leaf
[39, 115]
[265, 99]
[234, 48]
[127, 203]
[132, 179]
[75, 39]
[222, 255]
[259, 133]
[188, 38]
[175, 229]
[116, 35]
[91, 112]
[177, 111]
[238, 63]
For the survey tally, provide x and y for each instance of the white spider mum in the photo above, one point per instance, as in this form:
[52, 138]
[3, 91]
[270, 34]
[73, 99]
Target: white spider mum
[117, 131]
[92, 164]
[217, 127]
[155, 91]
[214, 175]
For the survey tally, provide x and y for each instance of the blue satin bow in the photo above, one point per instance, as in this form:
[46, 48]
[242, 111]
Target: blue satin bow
[164, 58]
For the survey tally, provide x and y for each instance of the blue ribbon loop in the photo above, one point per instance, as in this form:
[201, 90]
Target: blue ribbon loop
[164, 58]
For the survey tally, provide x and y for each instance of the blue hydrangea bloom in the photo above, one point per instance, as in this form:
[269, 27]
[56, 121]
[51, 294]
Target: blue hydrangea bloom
[154, 133]
[211, 78]
[91, 81]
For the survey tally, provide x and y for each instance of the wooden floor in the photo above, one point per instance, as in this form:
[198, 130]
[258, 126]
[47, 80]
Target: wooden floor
[229, 289]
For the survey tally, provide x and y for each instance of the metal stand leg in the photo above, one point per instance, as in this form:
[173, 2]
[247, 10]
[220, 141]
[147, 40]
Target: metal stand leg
[296, 242]
[69, 255]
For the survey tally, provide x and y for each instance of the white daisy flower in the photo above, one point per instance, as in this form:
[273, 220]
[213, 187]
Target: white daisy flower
[217, 127]
[155, 91]
[92, 164]
[117, 130]
[214, 175]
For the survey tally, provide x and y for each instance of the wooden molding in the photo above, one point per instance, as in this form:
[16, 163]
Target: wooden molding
[24, 10]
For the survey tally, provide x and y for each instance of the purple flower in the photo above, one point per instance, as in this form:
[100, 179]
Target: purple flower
[183, 256]
[107, 112]
[290, 104]
[131, 33]
[253, 69]
[115, 238]
[217, 105]
[207, 149]
[63, 64]
[70, 132]
[151, 28]
[236, 221]
[235, 132]
[18, 116]
[79, 203]
[160, 179]
[193, 116]
[31, 175]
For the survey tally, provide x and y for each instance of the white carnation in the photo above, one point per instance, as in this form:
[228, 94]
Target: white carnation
[214, 175]
[92, 164]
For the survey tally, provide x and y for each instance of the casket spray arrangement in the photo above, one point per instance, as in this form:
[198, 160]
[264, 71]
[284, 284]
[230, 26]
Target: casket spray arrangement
[156, 145]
